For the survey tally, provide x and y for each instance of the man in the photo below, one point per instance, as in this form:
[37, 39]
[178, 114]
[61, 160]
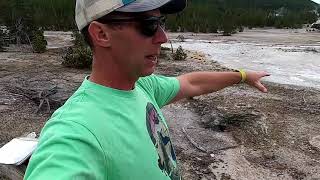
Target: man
[112, 127]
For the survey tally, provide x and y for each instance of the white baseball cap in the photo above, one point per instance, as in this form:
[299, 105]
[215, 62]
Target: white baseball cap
[89, 10]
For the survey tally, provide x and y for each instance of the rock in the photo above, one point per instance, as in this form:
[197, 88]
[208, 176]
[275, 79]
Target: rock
[4, 107]
[315, 141]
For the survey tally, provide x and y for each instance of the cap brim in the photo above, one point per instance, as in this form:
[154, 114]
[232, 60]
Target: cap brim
[173, 6]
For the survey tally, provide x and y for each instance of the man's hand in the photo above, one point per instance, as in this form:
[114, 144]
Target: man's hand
[253, 79]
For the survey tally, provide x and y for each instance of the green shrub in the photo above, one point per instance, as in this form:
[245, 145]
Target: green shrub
[179, 55]
[78, 39]
[78, 57]
[38, 42]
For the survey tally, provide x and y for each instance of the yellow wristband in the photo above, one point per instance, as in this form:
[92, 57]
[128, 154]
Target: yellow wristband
[243, 76]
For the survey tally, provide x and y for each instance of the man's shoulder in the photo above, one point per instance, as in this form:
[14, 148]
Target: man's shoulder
[77, 110]
[155, 80]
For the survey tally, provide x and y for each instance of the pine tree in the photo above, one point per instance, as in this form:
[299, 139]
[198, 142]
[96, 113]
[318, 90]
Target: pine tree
[2, 43]
[38, 41]
[21, 26]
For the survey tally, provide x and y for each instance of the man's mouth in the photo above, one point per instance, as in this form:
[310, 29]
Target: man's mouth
[153, 58]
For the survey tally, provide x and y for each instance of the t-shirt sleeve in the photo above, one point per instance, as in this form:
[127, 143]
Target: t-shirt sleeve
[163, 88]
[66, 150]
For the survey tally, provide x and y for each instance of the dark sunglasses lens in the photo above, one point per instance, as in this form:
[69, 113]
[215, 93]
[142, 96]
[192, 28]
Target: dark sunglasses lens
[150, 26]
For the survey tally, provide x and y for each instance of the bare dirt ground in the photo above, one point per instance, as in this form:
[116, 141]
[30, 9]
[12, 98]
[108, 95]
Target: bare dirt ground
[240, 133]
[236, 133]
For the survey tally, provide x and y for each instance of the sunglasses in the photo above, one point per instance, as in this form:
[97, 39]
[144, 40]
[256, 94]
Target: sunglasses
[147, 26]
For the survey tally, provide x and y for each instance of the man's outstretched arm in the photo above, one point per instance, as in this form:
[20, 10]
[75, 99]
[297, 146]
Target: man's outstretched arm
[198, 83]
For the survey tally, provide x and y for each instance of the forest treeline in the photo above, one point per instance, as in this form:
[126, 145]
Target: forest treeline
[227, 15]
[200, 15]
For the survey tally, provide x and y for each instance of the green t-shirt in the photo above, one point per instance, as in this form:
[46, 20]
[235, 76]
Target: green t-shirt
[104, 133]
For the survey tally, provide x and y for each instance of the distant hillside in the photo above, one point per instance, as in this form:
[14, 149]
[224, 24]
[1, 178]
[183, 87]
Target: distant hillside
[227, 15]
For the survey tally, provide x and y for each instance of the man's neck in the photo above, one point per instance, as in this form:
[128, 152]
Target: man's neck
[112, 80]
[108, 73]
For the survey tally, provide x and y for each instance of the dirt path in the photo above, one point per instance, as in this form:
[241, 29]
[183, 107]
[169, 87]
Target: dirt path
[237, 133]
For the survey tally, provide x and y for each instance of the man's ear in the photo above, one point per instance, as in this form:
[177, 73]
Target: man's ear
[99, 34]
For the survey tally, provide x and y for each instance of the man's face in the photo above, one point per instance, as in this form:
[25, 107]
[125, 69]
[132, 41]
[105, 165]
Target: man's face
[136, 53]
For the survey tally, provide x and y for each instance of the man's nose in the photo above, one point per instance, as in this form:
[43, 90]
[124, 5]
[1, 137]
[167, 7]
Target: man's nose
[160, 37]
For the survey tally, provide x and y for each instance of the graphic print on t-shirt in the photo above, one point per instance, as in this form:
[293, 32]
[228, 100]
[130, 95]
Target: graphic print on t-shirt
[159, 135]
